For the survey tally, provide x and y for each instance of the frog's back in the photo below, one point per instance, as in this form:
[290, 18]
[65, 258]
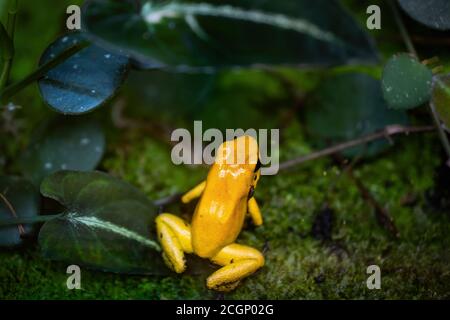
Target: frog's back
[221, 211]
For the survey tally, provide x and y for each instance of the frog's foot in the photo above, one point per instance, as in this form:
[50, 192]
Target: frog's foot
[175, 237]
[238, 262]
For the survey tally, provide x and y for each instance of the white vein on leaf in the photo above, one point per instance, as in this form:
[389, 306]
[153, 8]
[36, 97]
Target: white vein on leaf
[154, 14]
[95, 223]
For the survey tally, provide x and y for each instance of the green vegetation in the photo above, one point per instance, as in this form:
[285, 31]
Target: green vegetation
[401, 179]
[298, 266]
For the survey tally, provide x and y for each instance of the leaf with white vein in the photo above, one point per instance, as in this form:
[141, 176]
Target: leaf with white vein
[210, 34]
[108, 224]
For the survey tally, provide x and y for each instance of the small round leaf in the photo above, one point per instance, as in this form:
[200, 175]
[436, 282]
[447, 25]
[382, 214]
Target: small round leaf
[19, 199]
[406, 82]
[441, 98]
[63, 143]
[85, 80]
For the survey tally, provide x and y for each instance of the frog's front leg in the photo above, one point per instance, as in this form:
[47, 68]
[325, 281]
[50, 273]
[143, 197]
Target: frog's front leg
[194, 192]
[238, 262]
[175, 237]
[254, 212]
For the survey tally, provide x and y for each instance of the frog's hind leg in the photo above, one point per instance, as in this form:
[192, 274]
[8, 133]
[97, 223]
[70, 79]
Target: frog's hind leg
[175, 237]
[238, 262]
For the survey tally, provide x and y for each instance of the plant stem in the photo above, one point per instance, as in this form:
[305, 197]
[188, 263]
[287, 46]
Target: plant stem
[410, 46]
[28, 220]
[6, 70]
[10, 29]
[167, 200]
[385, 133]
[12, 211]
[442, 133]
[403, 32]
[11, 22]
[42, 70]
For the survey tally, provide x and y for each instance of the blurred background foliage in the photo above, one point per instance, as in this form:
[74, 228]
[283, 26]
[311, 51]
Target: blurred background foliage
[305, 258]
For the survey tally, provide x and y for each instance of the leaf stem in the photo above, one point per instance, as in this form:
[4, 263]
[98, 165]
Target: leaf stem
[11, 90]
[6, 70]
[403, 31]
[13, 212]
[441, 131]
[29, 220]
[11, 22]
[410, 46]
[385, 133]
[8, 44]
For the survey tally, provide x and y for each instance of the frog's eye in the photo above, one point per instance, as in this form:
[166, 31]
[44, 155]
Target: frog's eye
[258, 165]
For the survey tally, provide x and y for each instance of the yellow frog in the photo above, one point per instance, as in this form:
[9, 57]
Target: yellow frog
[225, 199]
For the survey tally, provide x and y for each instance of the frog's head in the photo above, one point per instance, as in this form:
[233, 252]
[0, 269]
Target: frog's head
[238, 161]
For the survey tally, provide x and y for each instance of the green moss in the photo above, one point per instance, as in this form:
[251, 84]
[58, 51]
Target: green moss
[297, 266]
[148, 165]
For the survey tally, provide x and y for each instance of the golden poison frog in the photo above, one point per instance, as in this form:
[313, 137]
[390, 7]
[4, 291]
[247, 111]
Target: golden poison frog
[226, 197]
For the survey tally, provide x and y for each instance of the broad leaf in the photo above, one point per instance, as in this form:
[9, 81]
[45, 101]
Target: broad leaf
[84, 81]
[205, 34]
[18, 199]
[170, 94]
[441, 98]
[63, 144]
[432, 13]
[108, 225]
[215, 98]
[348, 106]
[406, 82]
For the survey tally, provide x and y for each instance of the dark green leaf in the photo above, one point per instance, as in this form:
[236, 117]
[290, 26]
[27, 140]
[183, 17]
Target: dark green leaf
[18, 199]
[406, 82]
[215, 98]
[432, 13]
[441, 98]
[84, 81]
[171, 94]
[205, 34]
[348, 106]
[109, 224]
[63, 143]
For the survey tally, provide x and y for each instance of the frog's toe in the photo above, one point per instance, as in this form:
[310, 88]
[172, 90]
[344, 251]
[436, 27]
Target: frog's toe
[177, 267]
[222, 287]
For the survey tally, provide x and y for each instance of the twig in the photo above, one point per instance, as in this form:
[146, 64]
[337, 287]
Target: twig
[442, 134]
[28, 220]
[167, 200]
[387, 132]
[13, 212]
[381, 214]
[42, 70]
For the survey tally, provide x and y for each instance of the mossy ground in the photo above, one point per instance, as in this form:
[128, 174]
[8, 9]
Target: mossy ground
[297, 265]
